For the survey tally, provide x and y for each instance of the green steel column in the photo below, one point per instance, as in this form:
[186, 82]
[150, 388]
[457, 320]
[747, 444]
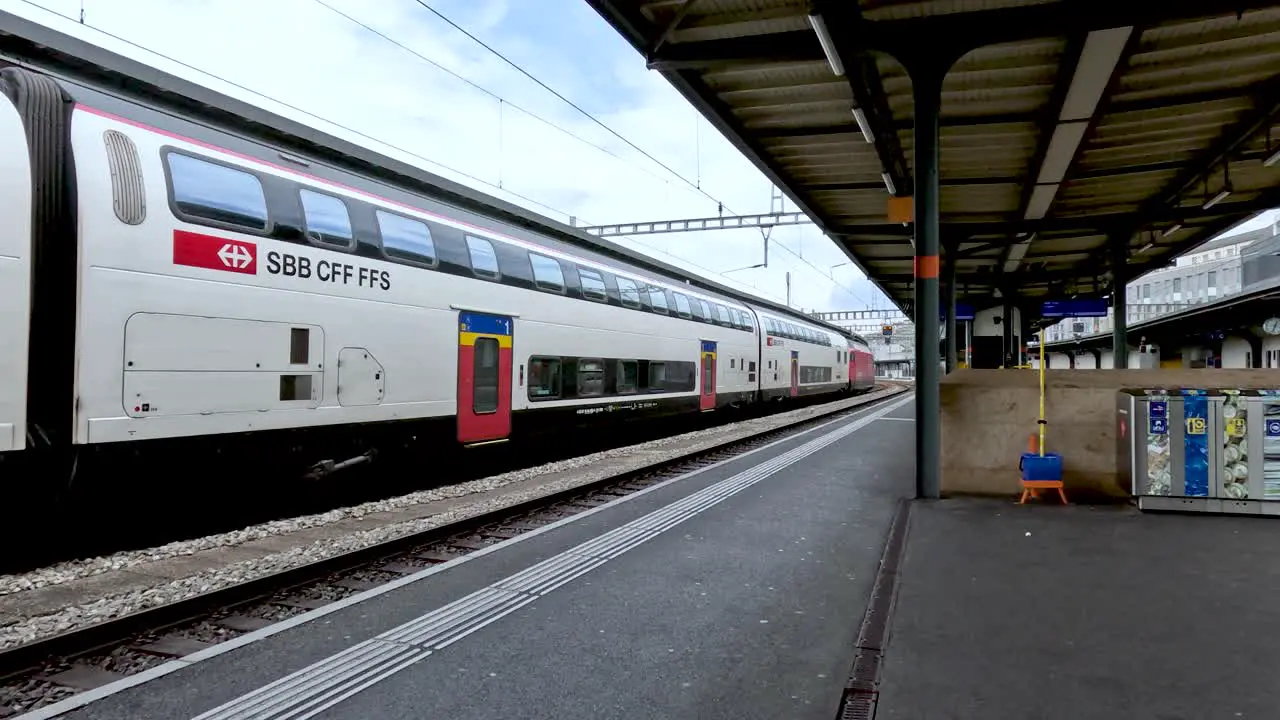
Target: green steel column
[1119, 304]
[927, 89]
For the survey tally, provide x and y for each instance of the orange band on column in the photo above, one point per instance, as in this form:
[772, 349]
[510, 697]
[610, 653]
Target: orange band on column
[927, 266]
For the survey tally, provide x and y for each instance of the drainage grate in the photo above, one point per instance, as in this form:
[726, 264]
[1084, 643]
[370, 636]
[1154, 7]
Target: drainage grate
[858, 707]
[862, 688]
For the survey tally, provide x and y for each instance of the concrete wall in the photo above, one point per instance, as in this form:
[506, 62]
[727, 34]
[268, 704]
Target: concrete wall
[988, 414]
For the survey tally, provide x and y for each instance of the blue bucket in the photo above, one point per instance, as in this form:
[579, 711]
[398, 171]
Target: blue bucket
[1034, 467]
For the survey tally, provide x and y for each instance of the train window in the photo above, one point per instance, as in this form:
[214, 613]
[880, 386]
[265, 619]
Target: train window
[484, 394]
[751, 366]
[590, 377]
[592, 283]
[682, 306]
[544, 378]
[722, 313]
[406, 238]
[658, 299]
[672, 376]
[628, 375]
[128, 192]
[699, 310]
[629, 293]
[746, 321]
[327, 219]
[731, 365]
[484, 262]
[209, 191]
[299, 346]
[657, 375]
[547, 273]
[708, 313]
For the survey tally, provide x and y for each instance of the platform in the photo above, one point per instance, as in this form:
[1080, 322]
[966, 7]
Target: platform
[734, 592]
[1057, 613]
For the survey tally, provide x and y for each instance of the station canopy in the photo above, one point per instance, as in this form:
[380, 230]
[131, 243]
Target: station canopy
[1068, 128]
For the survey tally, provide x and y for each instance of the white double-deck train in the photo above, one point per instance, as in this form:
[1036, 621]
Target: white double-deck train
[183, 274]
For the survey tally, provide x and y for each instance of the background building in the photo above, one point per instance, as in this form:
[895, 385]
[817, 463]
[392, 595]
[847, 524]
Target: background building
[1212, 272]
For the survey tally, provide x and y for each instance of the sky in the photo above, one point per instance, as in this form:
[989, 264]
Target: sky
[465, 114]
[428, 94]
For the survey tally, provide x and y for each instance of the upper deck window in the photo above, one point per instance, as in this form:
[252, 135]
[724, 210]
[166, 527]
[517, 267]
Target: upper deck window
[210, 191]
[547, 273]
[327, 219]
[592, 283]
[658, 299]
[484, 261]
[406, 238]
[629, 293]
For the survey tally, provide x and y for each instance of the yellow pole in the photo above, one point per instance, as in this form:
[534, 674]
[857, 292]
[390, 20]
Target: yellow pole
[1041, 392]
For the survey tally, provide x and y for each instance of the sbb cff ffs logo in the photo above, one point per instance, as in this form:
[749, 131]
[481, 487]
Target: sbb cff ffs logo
[214, 253]
[238, 256]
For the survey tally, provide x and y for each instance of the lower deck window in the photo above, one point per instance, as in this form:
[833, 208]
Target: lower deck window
[815, 374]
[566, 378]
[628, 375]
[544, 378]
[590, 378]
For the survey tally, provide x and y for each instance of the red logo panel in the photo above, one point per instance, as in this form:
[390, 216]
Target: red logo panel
[214, 253]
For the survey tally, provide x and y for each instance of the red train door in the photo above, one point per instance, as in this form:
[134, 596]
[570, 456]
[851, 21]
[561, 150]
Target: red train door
[707, 401]
[853, 367]
[484, 377]
[795, 373]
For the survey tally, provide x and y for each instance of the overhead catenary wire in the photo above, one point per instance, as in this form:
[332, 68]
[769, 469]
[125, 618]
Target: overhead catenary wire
[480, 88]
[696, 186]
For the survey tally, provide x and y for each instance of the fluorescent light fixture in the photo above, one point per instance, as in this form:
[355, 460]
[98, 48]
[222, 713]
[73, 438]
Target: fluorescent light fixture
[1145, 248]
[1041, 199]
[1010, 267]
[1101, 52]
[828, 45]
[1016, 252]
[1062, 148]
[888, 182]
[1217, 198]
[863, 125]
[1275, 157]
[1172, 230]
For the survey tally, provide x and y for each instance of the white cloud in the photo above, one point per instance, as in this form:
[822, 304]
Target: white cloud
[300, 53]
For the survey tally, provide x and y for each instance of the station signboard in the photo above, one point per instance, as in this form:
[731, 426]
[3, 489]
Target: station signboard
[1076, 307]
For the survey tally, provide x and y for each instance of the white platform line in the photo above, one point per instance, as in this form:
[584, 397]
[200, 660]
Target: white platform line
[299, 691]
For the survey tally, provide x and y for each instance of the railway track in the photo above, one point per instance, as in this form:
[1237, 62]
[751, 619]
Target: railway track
[61, 666]
[136, 520]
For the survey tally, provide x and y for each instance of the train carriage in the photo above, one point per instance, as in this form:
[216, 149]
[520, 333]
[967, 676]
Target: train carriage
[209, 280]
[862, 369]
[800, 357]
